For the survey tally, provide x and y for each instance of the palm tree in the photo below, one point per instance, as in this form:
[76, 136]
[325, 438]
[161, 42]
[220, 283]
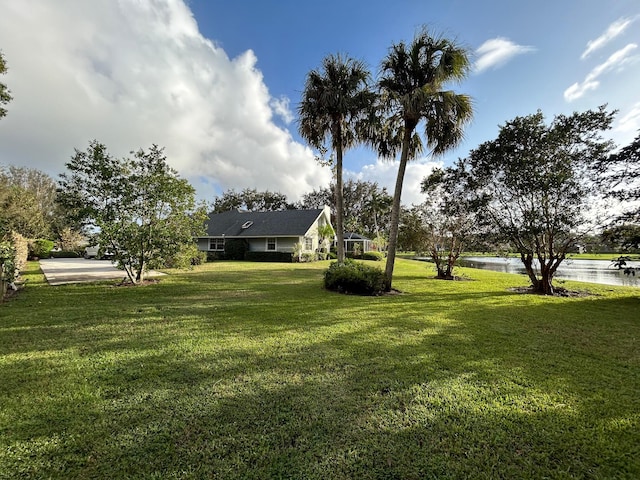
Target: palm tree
[335, 101]
[412, 84]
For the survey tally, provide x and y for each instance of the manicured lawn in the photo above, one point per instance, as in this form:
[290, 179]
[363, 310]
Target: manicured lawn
[249, 370]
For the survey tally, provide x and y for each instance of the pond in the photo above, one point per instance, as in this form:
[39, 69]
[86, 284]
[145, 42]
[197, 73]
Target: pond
[594, 271]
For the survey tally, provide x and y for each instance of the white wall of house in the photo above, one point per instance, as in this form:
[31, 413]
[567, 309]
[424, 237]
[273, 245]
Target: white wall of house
[282, 244]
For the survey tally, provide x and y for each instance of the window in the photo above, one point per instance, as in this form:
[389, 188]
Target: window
[308, 243]
[246, 225]
[271, 244]
[216, 244]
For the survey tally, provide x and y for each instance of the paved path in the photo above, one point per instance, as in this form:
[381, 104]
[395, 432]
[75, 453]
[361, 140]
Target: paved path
[60, 271]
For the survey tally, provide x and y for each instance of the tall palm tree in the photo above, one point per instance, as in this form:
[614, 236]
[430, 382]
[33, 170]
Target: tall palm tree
[335, 101]
[412, 82]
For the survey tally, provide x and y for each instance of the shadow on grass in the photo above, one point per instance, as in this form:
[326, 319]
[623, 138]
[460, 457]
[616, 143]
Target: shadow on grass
[236, 377]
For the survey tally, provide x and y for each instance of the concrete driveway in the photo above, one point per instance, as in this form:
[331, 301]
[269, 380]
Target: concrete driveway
[59, 271]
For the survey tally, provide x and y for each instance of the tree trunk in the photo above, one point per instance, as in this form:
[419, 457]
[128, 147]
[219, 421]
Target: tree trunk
[339, 203]
[544, 284]
[546, 273]
[395, 209]
[527, 261]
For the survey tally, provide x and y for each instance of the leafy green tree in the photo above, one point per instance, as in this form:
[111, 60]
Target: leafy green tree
[336, 99]
[412, 230]
[413, 92]
[620, 174]
[5, 94]
[251, 200]
[622, 238]
[19, 212]
[366, 206]
[143, 212]
[29, 197]
[536, 180]
[449, 215]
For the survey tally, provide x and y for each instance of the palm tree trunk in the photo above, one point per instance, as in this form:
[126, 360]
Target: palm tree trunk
[395, 210]
[339, 205]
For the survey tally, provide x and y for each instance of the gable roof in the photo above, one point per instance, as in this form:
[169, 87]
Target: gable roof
[261, 224]
[354, 236]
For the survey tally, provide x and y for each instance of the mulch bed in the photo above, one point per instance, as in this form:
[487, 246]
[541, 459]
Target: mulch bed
[559, 292]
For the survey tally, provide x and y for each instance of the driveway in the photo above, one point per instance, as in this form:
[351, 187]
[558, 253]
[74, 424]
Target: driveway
[59, 271]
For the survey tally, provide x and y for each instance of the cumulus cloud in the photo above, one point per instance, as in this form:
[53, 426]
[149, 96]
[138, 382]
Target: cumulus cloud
[280, 107]
[496, 52]
[384, 173]
[616, 61]
[615, 29]
[132, 73]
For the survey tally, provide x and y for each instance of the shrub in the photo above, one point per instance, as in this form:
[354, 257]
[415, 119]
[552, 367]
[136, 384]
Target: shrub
[235, 249]
[284, 257]
[373, 255]
[355, 278]
[309, 257]
[40, 248]
[213, 256]
[65, 254]
[8, 270]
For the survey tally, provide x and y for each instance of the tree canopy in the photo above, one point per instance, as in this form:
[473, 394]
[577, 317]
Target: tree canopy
[27, 202]
[620, 173]
[367, 206]
[142, 211]
[252, 200]
[536, 183]
[5, 94]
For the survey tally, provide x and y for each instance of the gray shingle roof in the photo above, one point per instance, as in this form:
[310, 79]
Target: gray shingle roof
[264, 224]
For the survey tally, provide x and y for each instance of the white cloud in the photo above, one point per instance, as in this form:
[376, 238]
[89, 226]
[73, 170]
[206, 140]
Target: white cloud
[496, 52]
[630, 122]
[281, 108]
[384, 172]
[615, 29]
[132, 73]
[616, 61]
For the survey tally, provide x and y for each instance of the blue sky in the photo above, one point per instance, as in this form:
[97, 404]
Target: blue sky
[217, 83]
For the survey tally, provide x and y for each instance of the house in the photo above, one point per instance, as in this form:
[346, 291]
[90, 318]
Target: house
[277, 231]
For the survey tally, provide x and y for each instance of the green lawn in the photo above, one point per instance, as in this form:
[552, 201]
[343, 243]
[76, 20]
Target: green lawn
[250, 370]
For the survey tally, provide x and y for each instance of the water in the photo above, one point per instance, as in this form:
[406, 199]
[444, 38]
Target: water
[594, 271]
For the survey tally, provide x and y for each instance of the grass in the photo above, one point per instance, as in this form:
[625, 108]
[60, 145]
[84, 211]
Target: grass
[249, 370]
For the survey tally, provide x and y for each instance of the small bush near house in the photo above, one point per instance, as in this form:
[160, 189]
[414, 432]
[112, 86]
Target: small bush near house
[65, 254]
[214, 256]
[40, 248]
[235, 249]
[309, 257]
[355, 278]
[372, 255]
